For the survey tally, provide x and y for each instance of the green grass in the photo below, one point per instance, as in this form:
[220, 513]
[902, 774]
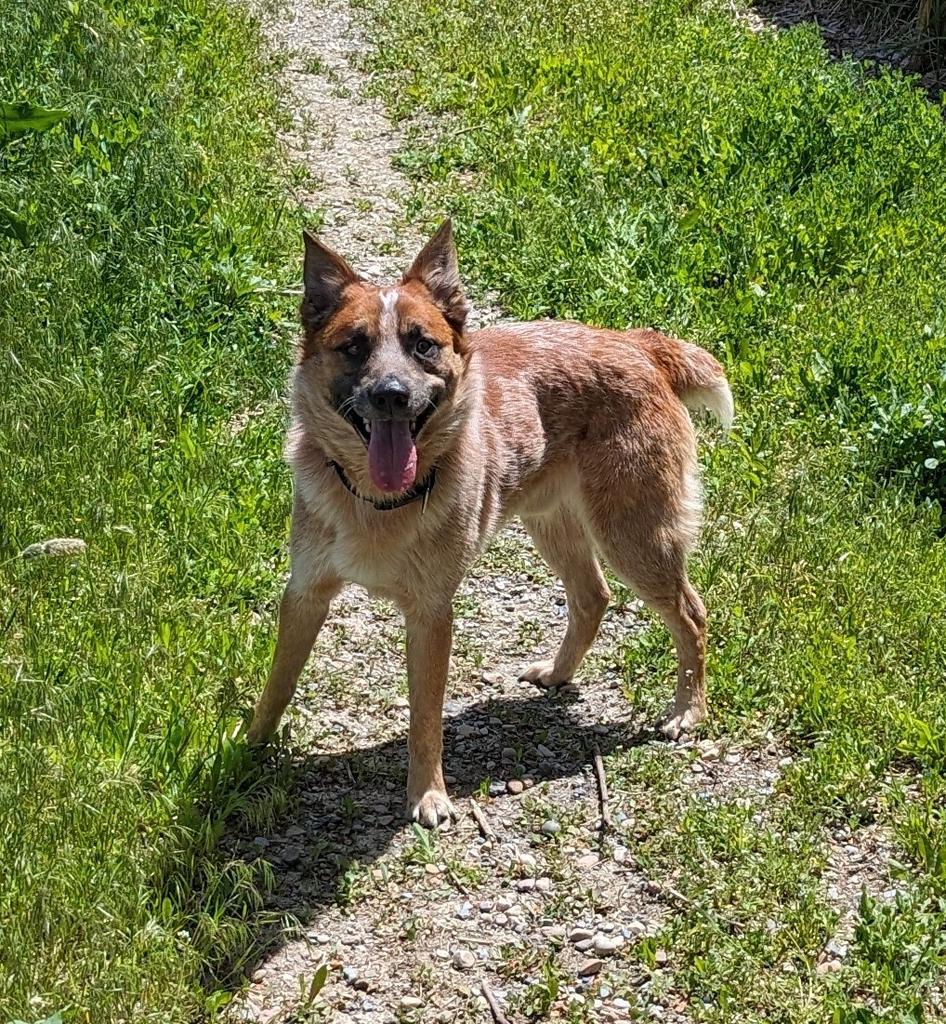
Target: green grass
[661, 164]
[136, 321]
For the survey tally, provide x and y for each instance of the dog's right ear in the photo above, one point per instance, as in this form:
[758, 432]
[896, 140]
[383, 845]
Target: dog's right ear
[325, 277]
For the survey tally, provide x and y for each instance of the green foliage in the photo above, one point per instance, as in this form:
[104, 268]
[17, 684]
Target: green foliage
[136, 235]
[21, 117]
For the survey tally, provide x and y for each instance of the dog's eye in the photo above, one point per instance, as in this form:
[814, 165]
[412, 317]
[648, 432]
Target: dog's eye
[423, 346]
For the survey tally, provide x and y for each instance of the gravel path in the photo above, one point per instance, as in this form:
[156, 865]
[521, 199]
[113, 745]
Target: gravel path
[409, 923]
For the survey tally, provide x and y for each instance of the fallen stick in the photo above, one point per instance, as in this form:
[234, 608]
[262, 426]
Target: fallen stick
[481, 821]
[494, 1008]
[606, 822]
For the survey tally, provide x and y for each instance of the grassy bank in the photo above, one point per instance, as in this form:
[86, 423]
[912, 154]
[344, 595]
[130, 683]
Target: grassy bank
[662, 164]
[142, 233]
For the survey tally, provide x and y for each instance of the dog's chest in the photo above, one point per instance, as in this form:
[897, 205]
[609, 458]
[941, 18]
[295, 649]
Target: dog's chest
[386, 562]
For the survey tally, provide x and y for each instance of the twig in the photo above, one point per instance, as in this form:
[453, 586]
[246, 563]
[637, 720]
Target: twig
[452, 875]
[494, 1006]
[484, 825]
[606, 822]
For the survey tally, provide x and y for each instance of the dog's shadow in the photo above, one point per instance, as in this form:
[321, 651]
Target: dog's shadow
[346, 808]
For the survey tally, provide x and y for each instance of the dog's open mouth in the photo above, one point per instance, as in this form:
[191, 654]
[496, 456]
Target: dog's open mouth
[392, 448]
[364, 426]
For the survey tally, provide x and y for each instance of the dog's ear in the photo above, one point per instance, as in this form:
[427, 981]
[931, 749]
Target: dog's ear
[325, 277]
[436, 268]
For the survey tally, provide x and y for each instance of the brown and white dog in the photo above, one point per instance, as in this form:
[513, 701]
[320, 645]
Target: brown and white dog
[412, 441]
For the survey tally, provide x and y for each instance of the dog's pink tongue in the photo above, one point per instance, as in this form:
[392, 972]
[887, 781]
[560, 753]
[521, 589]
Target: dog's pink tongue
[392, 455]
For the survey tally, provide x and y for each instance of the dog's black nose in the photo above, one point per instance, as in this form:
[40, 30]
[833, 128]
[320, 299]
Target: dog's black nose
[389, 396]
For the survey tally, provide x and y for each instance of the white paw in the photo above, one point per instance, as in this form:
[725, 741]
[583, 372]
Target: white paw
[542, 675]
[433, 809]
[682, 722]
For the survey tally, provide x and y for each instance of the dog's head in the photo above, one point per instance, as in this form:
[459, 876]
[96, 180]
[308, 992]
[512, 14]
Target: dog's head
[385, 361]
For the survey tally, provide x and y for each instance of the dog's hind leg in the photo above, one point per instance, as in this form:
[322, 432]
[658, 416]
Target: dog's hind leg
[644, 538]
[301, 614]
[563, 543]
[429, 638]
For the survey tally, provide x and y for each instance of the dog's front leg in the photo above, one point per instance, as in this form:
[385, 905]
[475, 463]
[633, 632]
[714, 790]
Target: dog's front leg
[302, 613]
[429, 637]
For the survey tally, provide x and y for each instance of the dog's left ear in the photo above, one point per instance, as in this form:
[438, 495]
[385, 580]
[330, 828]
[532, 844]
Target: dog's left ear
[436, 268]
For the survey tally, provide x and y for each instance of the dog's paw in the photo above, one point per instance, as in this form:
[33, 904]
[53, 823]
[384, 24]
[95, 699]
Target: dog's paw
[542, 674]
[683, 722]
[259, 733]
[433, 809]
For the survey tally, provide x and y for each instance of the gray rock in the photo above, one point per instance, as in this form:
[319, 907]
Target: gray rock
[464, 960]
[580, 934]
[590, 968]
[551, 827]
[607, 945]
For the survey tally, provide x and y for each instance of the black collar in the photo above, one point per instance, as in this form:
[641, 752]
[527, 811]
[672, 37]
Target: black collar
[421, 490]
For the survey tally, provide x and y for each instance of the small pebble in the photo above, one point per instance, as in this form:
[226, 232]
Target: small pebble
[497, 788]
[525, 884]
[464, 960]
[607, 945]
[580, 934]
[545, 752]
[584, 945]
[588, 861]
[551, 827]
[350, 974]
[621, 1004]
[661, 957]
[543, 884]
[589, 968]
[508, 753]
[411, 1003]
[836, 949]
[515, 786]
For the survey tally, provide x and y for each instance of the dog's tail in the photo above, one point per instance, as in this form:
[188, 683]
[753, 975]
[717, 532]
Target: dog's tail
[697, 379]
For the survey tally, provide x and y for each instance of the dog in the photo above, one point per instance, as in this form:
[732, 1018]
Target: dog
[412, 440]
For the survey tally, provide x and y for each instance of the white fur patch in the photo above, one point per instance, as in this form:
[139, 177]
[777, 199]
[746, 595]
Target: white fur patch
[388, 322]
[716, 399]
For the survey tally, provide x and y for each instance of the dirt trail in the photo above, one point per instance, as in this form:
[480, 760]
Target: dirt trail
[410, 923]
